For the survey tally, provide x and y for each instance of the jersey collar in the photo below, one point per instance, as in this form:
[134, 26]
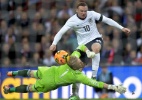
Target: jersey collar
[80, 18]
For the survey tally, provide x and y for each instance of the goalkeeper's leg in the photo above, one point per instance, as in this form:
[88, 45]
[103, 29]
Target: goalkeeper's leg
[18, 89]
[75, 89]
[75, 92]
[23, 73]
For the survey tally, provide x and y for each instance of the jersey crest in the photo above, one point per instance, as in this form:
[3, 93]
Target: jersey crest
[90, 20]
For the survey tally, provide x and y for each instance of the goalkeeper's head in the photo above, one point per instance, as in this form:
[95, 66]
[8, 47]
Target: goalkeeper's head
[75, 63]
[63, 57]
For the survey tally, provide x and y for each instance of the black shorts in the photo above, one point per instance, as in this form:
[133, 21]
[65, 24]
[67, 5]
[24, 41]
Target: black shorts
[84, 57]
[97, 40]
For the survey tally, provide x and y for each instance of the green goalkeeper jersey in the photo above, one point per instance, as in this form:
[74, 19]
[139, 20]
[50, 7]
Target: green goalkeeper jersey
[56, 76]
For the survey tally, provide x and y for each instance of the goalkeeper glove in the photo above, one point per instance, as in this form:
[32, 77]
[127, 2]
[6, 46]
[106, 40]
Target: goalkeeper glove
[90, 54]
[118, 88]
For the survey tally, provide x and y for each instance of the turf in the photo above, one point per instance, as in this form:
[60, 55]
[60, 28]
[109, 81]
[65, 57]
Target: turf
[80, 99]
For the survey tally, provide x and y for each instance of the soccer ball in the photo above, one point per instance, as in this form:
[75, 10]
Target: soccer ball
[61, 57]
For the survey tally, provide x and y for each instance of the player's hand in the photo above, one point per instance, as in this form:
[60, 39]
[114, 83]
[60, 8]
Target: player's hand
[118, 88]
[52, 47]
[126, 30]
[90, 54]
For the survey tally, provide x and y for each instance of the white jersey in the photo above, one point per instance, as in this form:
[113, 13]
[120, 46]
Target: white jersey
[86, 30]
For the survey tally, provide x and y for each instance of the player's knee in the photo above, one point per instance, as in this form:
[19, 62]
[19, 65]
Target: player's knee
[96, 47]
[96, 50]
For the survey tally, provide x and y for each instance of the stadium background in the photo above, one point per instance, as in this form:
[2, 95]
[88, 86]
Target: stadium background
[27, 29]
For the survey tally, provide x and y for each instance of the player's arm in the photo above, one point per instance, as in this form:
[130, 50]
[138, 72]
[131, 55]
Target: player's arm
[110, 22]
[83, 49]
[82, 78]
[101, 18]
[62, 31]
[59, 35]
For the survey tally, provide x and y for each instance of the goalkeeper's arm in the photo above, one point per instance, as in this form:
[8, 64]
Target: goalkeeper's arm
[82, 78]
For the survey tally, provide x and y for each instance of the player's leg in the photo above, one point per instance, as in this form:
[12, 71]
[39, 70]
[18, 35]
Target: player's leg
[23, 73]
[75, 91]
[75, 88]
[19, 89]
[95, 65]
[95, 46]
[37, 87]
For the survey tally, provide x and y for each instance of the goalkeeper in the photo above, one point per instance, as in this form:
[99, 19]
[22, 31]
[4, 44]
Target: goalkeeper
[50, 78]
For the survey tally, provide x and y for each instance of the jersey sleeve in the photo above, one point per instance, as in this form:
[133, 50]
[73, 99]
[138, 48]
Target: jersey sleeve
[106, 20]
[111, 22]
[62, 31]
[96, 15]
[81, 78]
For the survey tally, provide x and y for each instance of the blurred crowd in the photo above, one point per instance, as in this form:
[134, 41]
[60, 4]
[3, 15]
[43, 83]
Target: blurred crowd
[27, 29]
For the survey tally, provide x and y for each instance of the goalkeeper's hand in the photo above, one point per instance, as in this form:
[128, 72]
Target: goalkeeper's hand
[118, 88]
[90, 54]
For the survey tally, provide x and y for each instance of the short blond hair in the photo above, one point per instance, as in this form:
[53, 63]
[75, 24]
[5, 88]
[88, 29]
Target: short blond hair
[73, 63]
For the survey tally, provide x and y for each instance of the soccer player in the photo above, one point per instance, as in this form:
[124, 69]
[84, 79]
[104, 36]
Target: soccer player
[84, 24]
[50, 78]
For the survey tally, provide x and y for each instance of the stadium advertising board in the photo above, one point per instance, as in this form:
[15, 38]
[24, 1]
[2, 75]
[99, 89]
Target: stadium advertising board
[130, 76]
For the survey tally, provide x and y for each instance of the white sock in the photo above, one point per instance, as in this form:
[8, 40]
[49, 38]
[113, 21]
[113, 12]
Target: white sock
[75, 89]
[95, 64]
[94, 73]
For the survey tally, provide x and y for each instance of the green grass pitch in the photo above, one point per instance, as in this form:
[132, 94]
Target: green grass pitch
[80, 99]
